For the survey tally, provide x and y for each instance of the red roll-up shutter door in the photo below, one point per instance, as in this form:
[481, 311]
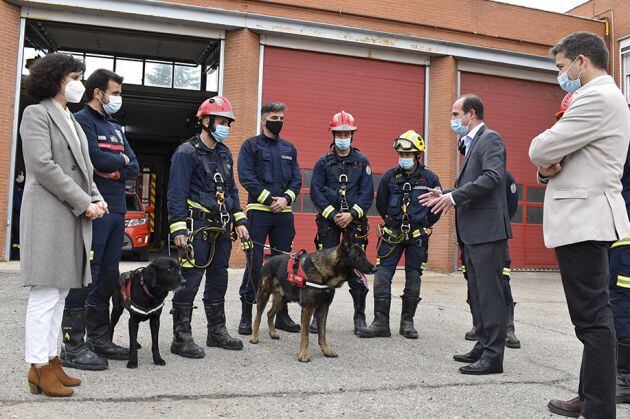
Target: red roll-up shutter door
[519, 110]
[386, 99]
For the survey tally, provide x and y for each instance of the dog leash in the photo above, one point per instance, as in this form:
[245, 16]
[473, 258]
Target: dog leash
[273, 249]
[247, 246]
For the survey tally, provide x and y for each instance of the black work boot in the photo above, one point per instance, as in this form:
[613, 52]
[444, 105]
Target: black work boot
[245, 325]
[284, 322]
[511, 341]
[380, 325]
[409, 305]
[74, 351]
[99, 339]
[623, 372]
[217, 332]
[472, 333]
[358, 298]
[313, 327]
[183, 342]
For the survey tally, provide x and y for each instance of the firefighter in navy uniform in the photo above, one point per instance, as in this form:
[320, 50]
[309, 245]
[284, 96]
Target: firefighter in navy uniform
[342, 190]
[203, 205]
[87, 309]
[268, 169]
[511, 341]
[619, 295]
[406, 229]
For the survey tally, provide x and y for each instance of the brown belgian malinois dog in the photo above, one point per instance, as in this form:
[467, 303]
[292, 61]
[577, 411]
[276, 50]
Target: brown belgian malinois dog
[309, 279]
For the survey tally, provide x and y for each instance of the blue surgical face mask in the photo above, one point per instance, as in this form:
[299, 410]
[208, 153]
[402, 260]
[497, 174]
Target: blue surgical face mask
[220, 133]
[568, 85]
[406, 163]
[343, 143]
[458, 127]
[114, 105]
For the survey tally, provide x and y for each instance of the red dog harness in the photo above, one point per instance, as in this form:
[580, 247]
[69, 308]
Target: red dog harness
[125, 292]
[296, 274]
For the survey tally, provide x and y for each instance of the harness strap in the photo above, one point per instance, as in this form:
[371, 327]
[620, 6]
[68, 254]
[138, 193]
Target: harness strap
[143, 312]
[125, 291]
[296, 274]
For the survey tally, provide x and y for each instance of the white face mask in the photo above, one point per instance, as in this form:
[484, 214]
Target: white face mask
[74, 91]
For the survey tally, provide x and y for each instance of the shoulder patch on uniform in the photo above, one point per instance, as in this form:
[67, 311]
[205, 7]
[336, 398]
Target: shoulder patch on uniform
[368, 170]
[513, 188]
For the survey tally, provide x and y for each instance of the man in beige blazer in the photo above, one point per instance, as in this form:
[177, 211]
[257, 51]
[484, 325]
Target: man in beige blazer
[581, 158]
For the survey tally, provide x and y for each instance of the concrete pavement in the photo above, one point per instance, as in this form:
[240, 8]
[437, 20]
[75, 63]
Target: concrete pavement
[384, 377]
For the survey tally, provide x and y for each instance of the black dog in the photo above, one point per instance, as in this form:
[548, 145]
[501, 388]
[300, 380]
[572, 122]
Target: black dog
[313, 286]
[142, 293]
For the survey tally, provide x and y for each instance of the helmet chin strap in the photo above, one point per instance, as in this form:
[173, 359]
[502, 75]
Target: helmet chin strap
[210, 128]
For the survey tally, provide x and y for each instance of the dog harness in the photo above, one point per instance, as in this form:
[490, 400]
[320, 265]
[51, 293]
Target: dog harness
[125, 292]
[297, 275]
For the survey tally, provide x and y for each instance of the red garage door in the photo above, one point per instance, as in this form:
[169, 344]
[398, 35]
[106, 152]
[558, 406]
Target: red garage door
[385, 98]
[520, 110]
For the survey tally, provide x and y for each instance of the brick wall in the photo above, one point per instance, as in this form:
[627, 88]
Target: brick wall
[618, 13]
[442, 155]
[478, 22]
[242, 52]
[10, 18]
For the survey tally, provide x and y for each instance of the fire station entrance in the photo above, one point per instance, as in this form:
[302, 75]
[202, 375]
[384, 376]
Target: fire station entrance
[166, 77]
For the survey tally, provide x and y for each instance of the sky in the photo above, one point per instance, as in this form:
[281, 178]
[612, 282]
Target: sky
[560, 6]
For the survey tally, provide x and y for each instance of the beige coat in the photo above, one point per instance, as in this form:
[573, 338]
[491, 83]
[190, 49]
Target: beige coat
[583, 202]
[55, 236]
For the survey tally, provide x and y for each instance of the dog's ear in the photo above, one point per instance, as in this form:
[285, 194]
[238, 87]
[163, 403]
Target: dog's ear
[346, 243]
[149, 274]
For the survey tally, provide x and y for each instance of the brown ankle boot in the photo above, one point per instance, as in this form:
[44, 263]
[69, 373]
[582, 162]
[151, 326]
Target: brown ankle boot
[63, 378]
[45, 380]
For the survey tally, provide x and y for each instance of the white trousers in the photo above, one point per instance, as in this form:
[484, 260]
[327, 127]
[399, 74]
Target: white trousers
[43, 322]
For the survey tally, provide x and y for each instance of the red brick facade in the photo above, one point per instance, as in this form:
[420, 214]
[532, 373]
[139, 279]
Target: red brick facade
[242, 52]
[9, 38]
[617, 13]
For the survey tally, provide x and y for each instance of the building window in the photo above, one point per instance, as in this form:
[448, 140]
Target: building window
[165, 74]
[625, 60]
[158, 74]
[95, 62]
[131, 70]
[187, 76]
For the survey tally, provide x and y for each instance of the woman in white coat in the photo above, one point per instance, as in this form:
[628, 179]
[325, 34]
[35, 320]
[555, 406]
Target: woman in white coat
[59, 203]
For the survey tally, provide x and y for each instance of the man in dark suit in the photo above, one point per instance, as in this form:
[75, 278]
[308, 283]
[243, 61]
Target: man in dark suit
[483, 226]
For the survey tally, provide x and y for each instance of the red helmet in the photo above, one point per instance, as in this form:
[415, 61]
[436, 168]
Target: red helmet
[343, 121]
[564, 105]
[218, 106]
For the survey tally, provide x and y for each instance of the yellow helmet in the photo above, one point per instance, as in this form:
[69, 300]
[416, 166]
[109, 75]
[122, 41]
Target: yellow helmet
[409, 142]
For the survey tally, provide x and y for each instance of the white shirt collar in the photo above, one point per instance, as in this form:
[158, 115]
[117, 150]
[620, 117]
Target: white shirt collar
[471, 134]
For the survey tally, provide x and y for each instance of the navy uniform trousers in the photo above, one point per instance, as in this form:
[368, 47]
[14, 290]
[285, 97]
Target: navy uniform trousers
[108, 235]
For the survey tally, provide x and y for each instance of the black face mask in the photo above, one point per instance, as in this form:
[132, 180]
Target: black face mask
[274, 126]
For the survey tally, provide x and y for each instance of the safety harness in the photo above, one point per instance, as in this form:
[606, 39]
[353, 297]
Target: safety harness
[125, 292]
[215, 179]
[386, 234]
[343, 186]
[296, 274]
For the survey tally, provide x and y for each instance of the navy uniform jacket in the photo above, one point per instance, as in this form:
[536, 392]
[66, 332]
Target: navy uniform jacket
[512, 194]
[107, 143]
[189, 186]
[268, 167]
[325, 183]
[625, 183]
[389, 198]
